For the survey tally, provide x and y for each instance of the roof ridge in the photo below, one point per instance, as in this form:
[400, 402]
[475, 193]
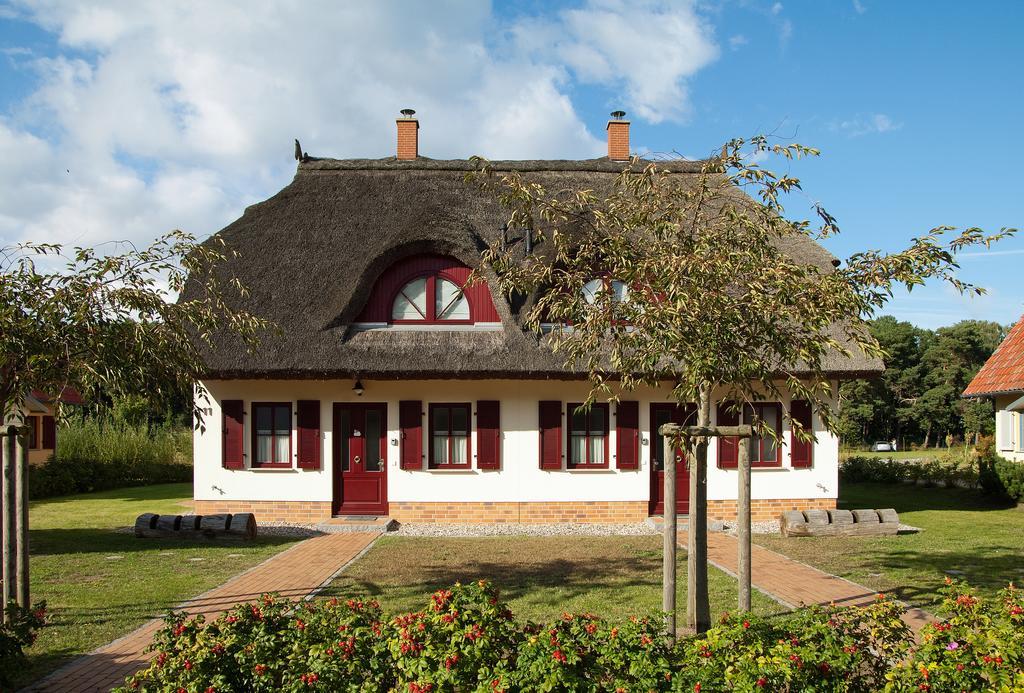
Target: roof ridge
[599, 165]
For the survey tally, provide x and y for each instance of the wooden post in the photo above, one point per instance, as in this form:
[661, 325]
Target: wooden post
[698, 608]
[743, 522]
[21, 522]
[668, 554]
[10, 443]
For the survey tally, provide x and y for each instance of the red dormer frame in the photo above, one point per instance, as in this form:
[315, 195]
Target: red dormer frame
[394, 278]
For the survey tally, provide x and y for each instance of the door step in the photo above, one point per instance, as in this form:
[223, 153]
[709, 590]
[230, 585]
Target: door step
[358, 523]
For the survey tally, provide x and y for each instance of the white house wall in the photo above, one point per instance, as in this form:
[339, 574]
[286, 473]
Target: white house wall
[1009, 438]
[520, 478]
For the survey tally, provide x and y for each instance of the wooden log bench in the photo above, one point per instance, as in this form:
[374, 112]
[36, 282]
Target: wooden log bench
[237, 526]
[839, 523]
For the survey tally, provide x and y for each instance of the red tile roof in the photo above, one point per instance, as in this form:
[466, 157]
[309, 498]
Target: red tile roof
[68, 395]
[1004, 370]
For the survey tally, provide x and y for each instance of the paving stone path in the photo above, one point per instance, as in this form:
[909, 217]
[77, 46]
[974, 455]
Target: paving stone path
[293, 573]
[794, 583]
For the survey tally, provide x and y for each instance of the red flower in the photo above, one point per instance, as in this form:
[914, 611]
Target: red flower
[746, 624]
[590, 628]
[299, 624]
[260, 669]
[188, 665]
[558, 656]
[211, 689]
[696, 688]
[762, 682]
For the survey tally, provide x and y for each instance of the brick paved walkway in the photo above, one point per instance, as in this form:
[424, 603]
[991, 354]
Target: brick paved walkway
[293, 573]
[794, 583]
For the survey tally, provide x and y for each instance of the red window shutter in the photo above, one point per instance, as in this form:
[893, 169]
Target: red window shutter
[410, 421]
[233, 431]
[49, 433]
[550, 425]
[307, 421]
[728, 447]
[627, 435]
[488, 434]
[802, 452]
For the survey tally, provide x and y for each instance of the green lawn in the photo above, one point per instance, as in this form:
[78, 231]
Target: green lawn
[100, 584]
[963, 531]
[541, 577]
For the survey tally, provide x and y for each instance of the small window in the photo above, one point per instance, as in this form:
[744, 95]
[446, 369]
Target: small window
[588, 437]
[33, 432]
[431, 299]
[764, 451]
[618, 290]
[449, 436]
[1020, 432]
[272, 434]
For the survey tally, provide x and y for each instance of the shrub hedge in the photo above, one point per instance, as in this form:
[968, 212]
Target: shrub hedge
[467, 640]
[999, 476]
[953, 469]
[16, 634]
[96, 455]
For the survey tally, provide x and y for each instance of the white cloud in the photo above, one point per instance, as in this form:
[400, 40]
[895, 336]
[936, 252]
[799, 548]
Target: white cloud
[876, 123]
[859, 7]
[777, 8]
[155, 115]
[611, 43]
[738, 41]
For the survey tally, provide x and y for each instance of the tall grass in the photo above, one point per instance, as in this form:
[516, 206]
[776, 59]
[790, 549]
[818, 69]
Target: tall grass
[108, 441]
[94, 454]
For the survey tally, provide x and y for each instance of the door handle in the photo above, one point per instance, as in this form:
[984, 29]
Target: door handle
[356, 459]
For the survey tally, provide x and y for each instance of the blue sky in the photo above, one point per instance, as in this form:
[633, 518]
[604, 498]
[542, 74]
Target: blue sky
[122, 120]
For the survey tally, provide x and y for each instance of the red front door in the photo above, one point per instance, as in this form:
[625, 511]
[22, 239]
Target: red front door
[664, 413]
[360, 459]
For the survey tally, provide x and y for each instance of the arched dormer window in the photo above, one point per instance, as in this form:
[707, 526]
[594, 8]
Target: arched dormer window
[425, 290]
[432, 298]
[619, 291]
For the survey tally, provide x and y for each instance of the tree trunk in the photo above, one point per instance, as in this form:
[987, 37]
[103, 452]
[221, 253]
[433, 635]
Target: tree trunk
[698, 608]
[21, 522]
[10, 450]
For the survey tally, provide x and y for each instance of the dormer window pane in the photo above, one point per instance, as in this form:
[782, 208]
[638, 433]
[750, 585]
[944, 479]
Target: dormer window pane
[620, 292]
[591, 289]
[451, 303]
[411, 302]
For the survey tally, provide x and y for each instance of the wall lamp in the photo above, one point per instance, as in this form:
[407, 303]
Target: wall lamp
[358, 388]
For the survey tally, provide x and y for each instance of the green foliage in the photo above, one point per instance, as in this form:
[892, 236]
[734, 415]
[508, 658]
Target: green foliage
[999, 476]
[918, 396]
[466, 640]
[951, 469]
[107, 322]
[15, 636]
[97, 454]
[980, 647]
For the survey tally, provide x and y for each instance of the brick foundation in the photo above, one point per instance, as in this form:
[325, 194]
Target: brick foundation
[527, 513]
[769, 509]
[270, 511]
[531, 513]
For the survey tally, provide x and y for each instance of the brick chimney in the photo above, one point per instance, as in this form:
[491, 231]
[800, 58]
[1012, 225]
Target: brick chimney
[618, 137]
[408, 135]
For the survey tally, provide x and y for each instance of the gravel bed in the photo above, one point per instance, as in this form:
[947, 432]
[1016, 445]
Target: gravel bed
[287, 530]
[766, 527]
[539, 530]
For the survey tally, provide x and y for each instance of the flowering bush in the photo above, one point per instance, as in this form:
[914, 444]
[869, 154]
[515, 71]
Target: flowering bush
[465, 639]
[979, 647]
[583, 653]
[817, 649]
[16, 636]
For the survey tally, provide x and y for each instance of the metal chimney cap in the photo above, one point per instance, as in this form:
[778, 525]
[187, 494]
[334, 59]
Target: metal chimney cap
[408, 112]
[618, 115]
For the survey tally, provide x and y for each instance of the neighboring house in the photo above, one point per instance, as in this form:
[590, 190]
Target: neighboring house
[38, 415]
[1002, 379]
[393, 389]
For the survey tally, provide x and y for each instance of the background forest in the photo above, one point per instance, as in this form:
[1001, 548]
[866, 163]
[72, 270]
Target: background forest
[917, 400]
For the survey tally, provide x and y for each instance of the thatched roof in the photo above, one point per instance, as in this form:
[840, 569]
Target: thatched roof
[310, 256]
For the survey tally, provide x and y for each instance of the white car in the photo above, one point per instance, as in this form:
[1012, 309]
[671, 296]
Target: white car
[882, 446]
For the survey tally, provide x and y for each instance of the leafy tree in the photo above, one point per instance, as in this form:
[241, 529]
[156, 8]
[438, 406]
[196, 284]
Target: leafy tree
[715, 307]
[106, 322]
